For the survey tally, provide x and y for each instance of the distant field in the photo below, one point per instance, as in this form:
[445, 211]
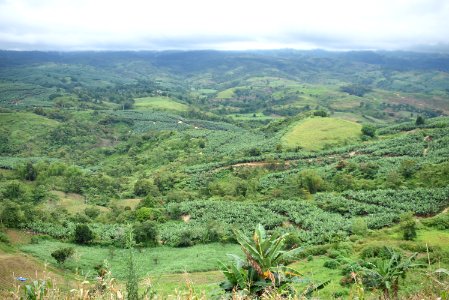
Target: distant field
[26, 128]
[132, 203]
[316, 133]
[226, 94]
[163, 103]
[74, 203]
[251, 117]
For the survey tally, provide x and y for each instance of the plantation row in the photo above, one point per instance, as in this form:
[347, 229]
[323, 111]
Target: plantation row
[318, 221]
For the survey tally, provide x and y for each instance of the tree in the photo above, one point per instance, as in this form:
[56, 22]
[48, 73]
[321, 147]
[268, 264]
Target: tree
[62, 254]
[39, 193]
[14, 190]
[144, 213]
[29, 172]
[143, 187]
[311, 181]
[12, 215]
[146, 233]
[408, 168]
[369, 130]
[419, 121]
[83, 234]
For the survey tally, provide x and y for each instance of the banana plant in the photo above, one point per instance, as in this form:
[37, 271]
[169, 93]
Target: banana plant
[385, 274]
[264, 266]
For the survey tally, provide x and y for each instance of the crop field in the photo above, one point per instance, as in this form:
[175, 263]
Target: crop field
[159, 103]
[214, 145]
[317, 133]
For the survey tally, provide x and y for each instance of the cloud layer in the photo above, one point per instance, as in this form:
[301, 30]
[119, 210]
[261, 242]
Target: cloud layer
[224, 25]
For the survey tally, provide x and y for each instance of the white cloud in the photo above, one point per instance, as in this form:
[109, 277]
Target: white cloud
[231, 24]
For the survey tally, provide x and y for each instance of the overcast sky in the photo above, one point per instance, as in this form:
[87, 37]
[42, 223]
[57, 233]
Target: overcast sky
[223, 24]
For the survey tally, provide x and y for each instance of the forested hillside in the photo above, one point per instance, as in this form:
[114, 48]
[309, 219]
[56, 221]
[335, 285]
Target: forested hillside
[182, 154]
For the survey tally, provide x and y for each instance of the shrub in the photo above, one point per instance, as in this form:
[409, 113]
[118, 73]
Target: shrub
[369, 130]
[408, 226]
[146, 233]
[29, 172]
[62, 254]
[92, 212]
[311, 181]
[4, 238]
[143, 214]
[331, 264]
[440, 222]
[292, 241]
[375, 251]
[12, 215]
[143, 187]
[359, 227]
[419, 121]
[83, 234]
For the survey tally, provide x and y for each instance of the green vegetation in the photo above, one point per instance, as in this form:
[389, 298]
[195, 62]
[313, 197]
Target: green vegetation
[162, 103]
[340, 154]
[320, 133]
[62, 254]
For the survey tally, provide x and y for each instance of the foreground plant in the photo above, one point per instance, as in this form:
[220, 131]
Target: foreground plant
[264, 269]
[384, 274]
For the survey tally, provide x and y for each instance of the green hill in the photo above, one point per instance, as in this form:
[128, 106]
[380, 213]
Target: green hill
[318, 133]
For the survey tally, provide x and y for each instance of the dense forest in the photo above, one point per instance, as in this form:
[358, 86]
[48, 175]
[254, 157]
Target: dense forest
[251, 174]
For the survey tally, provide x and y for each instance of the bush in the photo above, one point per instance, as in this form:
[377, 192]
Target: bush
[311, 181]
[314, 251]
[146, 233]
[292, 241]
[375, 251]
[12, 215]
[83, 234]
[62, 254]
[440, 222]
[331, 264]
[359, 227]
[92, 212]
[144, 187]
[4, 238]
[369, 130]
[408, 226]
[29, 172]
[143, 214]
[419, 121]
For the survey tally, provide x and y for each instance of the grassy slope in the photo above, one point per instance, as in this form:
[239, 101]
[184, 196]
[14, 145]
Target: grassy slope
[25, 126]
[226, 94]
[162, 103]
[150, 261]
[74, 203]
[315, 133]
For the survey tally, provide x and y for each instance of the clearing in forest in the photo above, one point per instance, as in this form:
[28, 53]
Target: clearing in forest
[161, 103]
[318, 133]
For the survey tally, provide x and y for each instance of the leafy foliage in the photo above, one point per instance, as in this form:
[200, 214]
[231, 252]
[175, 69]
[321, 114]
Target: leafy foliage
[61, 255]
